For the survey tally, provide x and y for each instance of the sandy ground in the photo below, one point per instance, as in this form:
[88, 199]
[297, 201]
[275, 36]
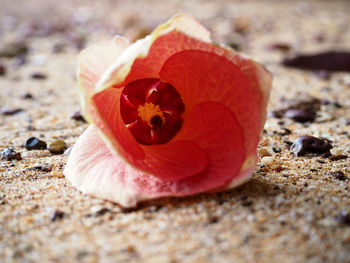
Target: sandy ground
[293, 210]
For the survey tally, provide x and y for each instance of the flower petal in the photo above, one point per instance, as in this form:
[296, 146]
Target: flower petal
[219, 80]
[93, 62]
[214, 128]
[95, 170]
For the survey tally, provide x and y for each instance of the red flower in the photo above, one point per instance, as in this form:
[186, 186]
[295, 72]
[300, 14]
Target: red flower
[172, 115]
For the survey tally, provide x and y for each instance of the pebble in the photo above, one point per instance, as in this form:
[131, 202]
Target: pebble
[264, 152]
[77, 116]
[338, 175]
[57, 214]
[57, 147]
[283, 47]
[27, 96]
[309, 144]
[300, 115]
[34, 143]
[9, 154]
[302, 109]
[10, 111]
[38, 76]
[40, 167]
[13, 49]
[343, 218]
[2, 70]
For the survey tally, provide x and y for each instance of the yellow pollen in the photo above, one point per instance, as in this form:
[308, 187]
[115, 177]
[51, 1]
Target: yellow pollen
[148, 111]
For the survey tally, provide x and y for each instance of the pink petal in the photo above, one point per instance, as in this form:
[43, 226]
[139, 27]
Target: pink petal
[93, 61]
[95, 170]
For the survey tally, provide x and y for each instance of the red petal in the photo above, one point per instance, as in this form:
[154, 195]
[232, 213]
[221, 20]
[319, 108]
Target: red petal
[202, 76]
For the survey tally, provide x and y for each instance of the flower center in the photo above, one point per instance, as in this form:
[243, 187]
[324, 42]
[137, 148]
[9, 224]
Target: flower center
[151, 114]
[151, 110]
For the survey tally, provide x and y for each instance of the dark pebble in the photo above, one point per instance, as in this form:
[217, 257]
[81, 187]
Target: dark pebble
[283, 47]
[330, 61]
[338, 157]
[27, 96]
[100, 212]
[38, 76]
[58, 48]
[309, 144]
[300, 115]
[33, 143]
[247, 203]
[9, 111]
[338, 175]
[276, 150]
[13, 49]
[57, 214]
[43, 168]
[343, 218]
[213, 219]
[2, 70]
[77, 116]
[301, 109]
[9, 154]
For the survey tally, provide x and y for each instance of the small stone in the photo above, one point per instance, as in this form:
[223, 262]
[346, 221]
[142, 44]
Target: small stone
[58, 48]
[310, 144]
[27, 96]
[9, 111]
[33, 143]
[40, 167]
[2, 70]
[338, 157]
[58, 147]
[302, 109]
[338, 175]
[300, 115]
[9, 154]
[99, 210]
[15, 49]
[57, 214]
[77, 116]
[343, 218]
[38, 76]
[283, 47]
[264, 152]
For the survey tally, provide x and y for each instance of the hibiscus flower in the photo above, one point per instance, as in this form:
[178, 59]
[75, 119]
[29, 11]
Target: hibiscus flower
[172, 114]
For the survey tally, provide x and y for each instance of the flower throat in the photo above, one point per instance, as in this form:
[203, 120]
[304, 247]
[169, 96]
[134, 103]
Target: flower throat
[151, 110]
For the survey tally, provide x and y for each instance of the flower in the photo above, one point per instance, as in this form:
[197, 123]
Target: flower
[172, 115]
